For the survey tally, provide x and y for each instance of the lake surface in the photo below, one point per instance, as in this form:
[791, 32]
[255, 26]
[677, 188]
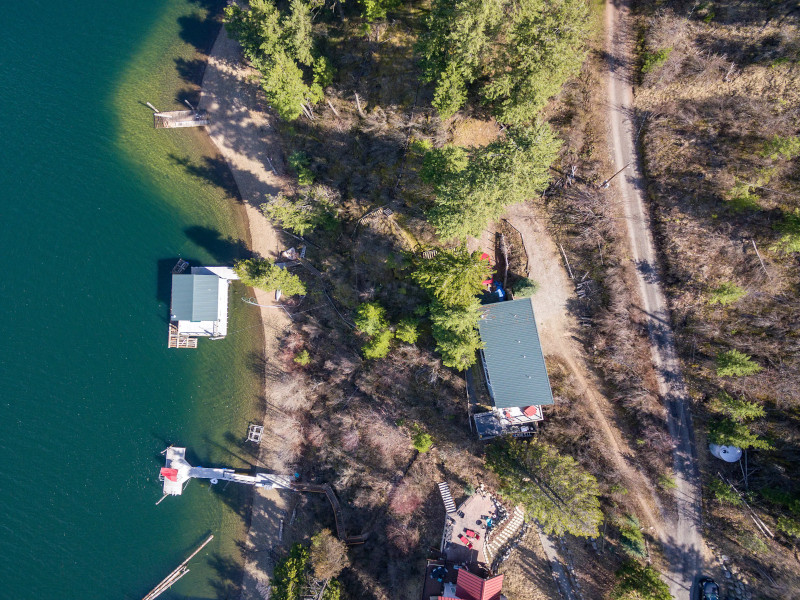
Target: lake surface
[96, 207]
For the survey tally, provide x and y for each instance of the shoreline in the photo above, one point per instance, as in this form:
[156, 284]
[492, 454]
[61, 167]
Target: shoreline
[240, 131]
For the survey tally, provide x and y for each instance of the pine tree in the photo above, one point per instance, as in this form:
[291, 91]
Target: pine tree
[554, 489]
[636, 581]
[264, 274]
[453, 277]
[503, 173]
[736, 364]
[281, 46]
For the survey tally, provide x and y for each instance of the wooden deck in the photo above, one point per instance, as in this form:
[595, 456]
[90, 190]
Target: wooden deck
[178, 340]
[181, 118]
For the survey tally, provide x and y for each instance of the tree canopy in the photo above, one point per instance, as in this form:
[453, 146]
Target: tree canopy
[636, 581]
[555, 489]
[506, 172]
[454, 278]
[301, 213]
[736, 364]
[280, 45]
[517, 53]
[328, 555]
[266, 275]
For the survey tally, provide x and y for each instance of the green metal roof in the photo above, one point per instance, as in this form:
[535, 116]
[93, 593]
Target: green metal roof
[195, 297]
[513, 355]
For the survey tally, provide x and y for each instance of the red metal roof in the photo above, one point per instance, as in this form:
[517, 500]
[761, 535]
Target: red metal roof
[473, 587]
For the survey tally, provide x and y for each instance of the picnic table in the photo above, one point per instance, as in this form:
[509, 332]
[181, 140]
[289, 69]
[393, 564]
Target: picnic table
[472, 534]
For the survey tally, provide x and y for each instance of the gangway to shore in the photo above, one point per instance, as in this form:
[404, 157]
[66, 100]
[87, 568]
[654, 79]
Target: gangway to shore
[177, 472]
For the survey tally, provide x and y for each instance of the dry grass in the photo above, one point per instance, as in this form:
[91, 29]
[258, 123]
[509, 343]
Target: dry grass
[730, 84]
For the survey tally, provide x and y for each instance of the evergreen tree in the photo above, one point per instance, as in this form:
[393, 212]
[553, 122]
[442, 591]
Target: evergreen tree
[453, 277]
[503, 173]
[636, 581]
[522, 51]
[554, 489]
[736, 364]
[727, 432]
[736, 408]
[371, 318]
[264, 274]
[542, 48]
[281, 47]
[302, 213]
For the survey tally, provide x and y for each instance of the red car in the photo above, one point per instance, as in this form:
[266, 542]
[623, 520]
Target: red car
[465, 541]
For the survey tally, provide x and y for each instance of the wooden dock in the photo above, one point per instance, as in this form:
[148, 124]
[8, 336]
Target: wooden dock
[179, 340]
[181, 118]
[179, 572]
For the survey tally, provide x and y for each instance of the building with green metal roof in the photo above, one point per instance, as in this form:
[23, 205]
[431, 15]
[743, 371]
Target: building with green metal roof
[199, 305]
[513, 367]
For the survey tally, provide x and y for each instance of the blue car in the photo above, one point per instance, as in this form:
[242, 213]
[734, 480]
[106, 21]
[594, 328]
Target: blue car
[709, 590]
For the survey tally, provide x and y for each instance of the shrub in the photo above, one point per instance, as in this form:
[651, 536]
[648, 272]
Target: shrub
[406, 331]
[668, 483]
[752, 543]
[789, 526]
[726, 293]
[299, 162]
[302, 358]
[787, 147]
[653, 60]
[736, 364]
[265, 275]
[723, 493]
[790, 228]
[741, 198]
[422, 441]
[525, 288]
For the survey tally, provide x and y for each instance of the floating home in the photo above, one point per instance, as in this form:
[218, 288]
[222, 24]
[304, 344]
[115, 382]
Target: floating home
[512, 366]
[199, 306]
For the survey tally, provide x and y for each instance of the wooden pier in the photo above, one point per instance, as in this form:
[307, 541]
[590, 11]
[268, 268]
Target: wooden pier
[179, 340]
[179, 572]
[181, 118]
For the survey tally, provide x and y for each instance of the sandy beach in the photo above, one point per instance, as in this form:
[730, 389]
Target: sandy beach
[241, 130]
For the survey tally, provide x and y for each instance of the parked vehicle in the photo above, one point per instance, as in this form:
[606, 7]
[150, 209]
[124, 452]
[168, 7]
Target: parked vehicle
[709, 590]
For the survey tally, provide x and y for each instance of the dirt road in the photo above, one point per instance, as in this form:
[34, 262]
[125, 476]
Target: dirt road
[683, 544]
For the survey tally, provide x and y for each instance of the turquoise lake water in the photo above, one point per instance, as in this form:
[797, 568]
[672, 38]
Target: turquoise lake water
[96, 207]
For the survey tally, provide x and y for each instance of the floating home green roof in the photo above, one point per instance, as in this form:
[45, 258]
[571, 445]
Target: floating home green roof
[513, 356]
[195, 297]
